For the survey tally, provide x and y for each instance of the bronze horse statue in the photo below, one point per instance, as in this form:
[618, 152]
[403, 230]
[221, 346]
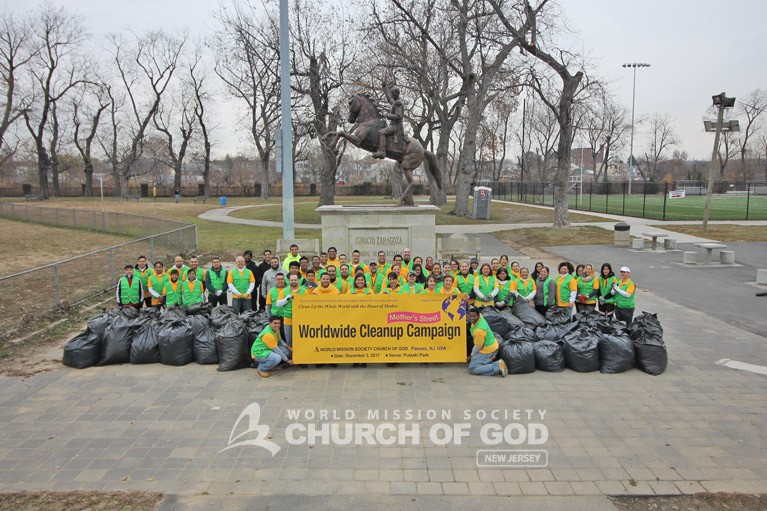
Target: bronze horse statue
[364, 113]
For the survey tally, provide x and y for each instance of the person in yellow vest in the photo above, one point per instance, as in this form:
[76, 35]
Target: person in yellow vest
[448, 287]
[129, 292]
[215, 283]
[325, 287]
[241, 282]
[293, 255]
[156, 282]
[192, 291]
[482, 360]
[624, 292]
[485, 287]
[269, 350]
[143, 271]
[377, 278]
[171, 290]
[566, 287]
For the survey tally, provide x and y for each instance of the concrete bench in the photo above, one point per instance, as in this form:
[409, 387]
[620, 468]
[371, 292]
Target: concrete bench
[306, 247]
[669, 244]
[690, 257]
[33, 197]
[133, 197]
[201, 198]
[761, 277]
[655, 236]
[637, 244]
[727, 257]
[710, 247]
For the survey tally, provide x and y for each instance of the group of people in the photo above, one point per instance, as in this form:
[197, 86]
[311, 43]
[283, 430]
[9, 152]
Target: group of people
[272, 284]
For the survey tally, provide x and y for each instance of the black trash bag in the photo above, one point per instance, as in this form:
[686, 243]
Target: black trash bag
[202, 309]
[590, 318]
[115, 348]
[127, 312]
[550, 356]
[616, 353]
[496, 321]
[582, 350]
[518, 355]
[150, 312]
[173, 313]
[527, 314]
[649, 349]
[233, 345]
[221, 315]
[83, 350]
[176, 339]
[521, 333]
[511, 319]
[549, 332]
[100, 323]
[559, 315]
[204, 345]
[145, 348]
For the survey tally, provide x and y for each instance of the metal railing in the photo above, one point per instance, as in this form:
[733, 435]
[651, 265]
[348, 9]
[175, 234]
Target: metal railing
[28, 295]
[731, 200]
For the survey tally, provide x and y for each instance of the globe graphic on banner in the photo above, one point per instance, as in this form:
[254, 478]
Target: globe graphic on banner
[454, 305]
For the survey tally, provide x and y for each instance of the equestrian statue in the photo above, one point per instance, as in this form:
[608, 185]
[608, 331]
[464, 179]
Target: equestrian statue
[372, 134]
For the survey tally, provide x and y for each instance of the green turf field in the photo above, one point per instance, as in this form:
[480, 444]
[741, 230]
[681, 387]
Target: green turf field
[723, 207]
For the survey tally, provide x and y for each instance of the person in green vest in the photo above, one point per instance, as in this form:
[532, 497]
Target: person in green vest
[129, 291]
[171, 290]
[383, 267]
[410, 287]
[215, 283]
[178, 264]
[344, 282]
[566, 287]
[241, 282]
[588, 289]
[157, 280]
[269, 350]
[194, 264]
[143, 271]
[464, 281]
[482, 360]
[624, 292]
[524, 287]
[294, 289]
[192, 291]
[545, 297]
[377, 278]
[485, 287]
[505, 296]
[605, 282]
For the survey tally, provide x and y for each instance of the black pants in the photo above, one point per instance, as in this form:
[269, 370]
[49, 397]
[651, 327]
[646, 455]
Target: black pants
[148, 301]
[217, 300]
[585, 307]
[607, 309]
[541, 310]
[625, 315]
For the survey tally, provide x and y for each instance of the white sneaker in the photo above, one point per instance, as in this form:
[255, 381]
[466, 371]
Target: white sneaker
[503, 368]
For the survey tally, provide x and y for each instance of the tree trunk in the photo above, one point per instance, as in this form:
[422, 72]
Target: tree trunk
[437, 196]
[466, 159]
[56, 191]
[88, 179]
[397, 175]
[206, 169]
[177, 175]
[264, 164]
[564, 149]
[42, 170]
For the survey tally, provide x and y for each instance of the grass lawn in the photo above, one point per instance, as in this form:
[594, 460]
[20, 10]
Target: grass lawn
[548, 237]
[723, 232]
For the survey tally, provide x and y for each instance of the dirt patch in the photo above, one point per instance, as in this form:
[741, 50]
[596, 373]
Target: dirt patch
[79, 501]
[551, 237]
[700, 502]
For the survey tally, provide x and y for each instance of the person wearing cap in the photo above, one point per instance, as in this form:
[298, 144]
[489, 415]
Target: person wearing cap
[292, 256]
[624, 292]
[482, 360]
[566, 286]
[377, 278]
[410, 287]
[129, 289]
[473, 266]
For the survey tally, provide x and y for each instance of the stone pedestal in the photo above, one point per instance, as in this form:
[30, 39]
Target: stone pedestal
[373, 228]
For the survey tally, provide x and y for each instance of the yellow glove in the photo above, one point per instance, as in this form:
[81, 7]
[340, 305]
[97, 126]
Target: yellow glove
[245, 296]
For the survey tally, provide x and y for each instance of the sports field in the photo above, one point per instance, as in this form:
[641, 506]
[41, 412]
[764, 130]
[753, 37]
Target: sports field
[723, 207]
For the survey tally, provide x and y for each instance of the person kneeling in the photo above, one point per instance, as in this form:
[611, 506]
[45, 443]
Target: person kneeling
[269, 350]
[482, 360]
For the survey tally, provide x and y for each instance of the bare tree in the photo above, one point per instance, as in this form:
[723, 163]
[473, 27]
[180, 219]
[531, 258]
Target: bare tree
[55, 70]
[751, 108]
[494, 135]
[145, 68]
[605, 124]
[198, 80]
[88, 107]
[543, 136]
[176, 120]
[248, 61]
[661, 133]
[17, 49]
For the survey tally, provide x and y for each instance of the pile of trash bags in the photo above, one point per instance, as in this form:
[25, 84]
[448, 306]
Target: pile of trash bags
[584, 342]
[175, 336]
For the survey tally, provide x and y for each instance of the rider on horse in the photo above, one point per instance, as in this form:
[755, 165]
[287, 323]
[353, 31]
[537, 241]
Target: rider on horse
[396, 117]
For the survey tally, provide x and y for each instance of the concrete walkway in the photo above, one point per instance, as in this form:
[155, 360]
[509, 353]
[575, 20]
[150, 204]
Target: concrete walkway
[638, 225]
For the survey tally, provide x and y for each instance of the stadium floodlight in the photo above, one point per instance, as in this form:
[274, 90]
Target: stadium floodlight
[634, 66]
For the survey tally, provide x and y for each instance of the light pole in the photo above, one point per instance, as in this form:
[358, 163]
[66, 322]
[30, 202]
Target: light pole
[720, 102]
[287, 126]
[634, 66]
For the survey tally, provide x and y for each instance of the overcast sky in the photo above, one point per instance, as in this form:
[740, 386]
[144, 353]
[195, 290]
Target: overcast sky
[696, 48]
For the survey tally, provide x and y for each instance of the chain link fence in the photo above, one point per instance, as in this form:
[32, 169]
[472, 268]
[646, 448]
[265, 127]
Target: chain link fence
[29, 295]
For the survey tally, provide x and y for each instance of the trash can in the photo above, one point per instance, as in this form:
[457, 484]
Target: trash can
[222, 200]
[622, 235]
[482, 197]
